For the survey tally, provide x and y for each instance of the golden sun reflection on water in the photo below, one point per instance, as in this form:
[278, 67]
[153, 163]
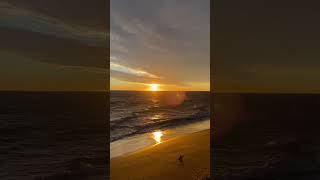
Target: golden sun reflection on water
[157, 136]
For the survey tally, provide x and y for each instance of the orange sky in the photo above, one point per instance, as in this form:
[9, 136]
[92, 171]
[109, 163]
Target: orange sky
[162, 42]
[133, 86]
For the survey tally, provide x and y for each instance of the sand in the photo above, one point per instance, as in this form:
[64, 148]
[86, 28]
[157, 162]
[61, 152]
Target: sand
[161, 161]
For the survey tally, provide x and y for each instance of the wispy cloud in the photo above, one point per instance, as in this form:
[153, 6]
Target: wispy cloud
[168, 40]
[131, 71]
[166, 26]
[142, 32]
[137, 75]
[15, 17]
[30, 32]
[54, 45]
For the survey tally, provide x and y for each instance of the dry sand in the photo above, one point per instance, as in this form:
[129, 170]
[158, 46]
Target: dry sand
[161, 161]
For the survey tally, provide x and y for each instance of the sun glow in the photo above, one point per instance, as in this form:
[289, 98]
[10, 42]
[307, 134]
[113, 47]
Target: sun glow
[154, 87]
[157, 136]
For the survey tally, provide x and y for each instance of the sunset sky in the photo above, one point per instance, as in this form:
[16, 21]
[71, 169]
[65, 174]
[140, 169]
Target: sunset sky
[163, 42]
[266, 46]
[53, 45]
[258, 45]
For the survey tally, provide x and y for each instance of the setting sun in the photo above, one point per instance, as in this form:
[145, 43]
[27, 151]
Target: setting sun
[154, 87]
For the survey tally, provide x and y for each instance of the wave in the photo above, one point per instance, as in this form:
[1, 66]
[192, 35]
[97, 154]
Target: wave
[82, 168]
[128, 127]
[285, 158]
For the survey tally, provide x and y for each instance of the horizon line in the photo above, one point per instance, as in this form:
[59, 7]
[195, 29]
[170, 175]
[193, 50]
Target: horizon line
[106, 91]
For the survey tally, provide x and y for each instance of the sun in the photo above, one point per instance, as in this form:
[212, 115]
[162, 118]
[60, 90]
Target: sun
[154, 87]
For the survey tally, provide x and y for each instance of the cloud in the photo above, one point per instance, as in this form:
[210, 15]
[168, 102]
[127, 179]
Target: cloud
[139, 31]
[40, 33]
[15, 17]
[21, 73]
[167, 39]
[92, 14]
[54, 44]
[166, 26]
[131, 78]
[50, 49]
[131, 71]
[129, 74]
[92, 70]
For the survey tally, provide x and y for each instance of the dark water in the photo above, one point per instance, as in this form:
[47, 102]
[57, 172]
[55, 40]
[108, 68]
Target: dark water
[269, 137]
[53, 135]
[139, 112]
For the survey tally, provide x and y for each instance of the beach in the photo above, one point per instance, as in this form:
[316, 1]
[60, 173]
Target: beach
[160, 161]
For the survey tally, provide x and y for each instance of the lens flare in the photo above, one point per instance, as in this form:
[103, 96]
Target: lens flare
[175, 98]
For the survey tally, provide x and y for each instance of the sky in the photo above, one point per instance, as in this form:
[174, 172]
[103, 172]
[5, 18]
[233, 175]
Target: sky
[265, 46]
[54, 45]
[257, 45]
[163, 42]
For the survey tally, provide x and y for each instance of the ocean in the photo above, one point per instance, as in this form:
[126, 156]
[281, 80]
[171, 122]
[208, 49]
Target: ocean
[135, 115]
[64, 135]
[53, 135]
[266, 137]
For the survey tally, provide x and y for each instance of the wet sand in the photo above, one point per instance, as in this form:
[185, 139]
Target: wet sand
[161, 160]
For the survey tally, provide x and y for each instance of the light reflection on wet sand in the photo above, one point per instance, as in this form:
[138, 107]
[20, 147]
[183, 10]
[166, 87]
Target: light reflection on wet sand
[137, 142]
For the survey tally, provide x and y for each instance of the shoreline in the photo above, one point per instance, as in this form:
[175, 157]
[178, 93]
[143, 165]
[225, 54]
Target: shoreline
[141, 141]
[160, 161]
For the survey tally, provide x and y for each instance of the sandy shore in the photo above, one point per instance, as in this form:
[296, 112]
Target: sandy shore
[161, 161]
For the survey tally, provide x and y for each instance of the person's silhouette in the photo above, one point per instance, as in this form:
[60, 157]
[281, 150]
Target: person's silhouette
[181, 158]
